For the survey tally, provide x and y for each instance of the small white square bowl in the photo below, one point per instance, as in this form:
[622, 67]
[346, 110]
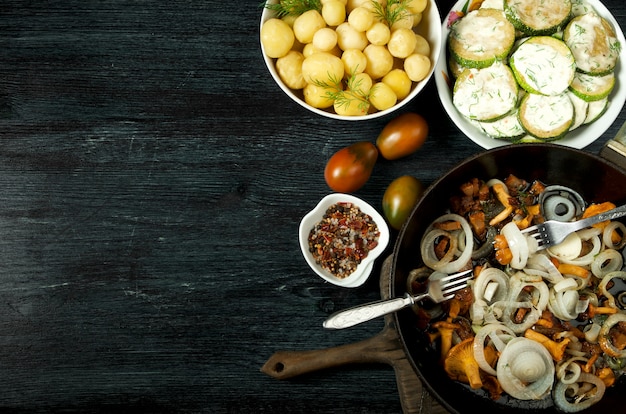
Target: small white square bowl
[364, 269]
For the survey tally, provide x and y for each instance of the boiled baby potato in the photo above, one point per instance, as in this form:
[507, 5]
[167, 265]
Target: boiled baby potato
[289, 68]
[322, 68]
[277, 38]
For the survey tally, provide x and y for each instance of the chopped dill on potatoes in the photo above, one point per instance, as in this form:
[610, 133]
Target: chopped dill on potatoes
[345, 98]
[394, 11]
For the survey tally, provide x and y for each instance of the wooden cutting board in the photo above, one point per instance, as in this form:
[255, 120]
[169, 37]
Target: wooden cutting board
[384, 347]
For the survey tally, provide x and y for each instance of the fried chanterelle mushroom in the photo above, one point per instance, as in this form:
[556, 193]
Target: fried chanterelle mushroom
[461, 365]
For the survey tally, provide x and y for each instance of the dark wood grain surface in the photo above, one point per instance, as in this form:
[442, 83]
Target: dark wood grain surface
[152, 180]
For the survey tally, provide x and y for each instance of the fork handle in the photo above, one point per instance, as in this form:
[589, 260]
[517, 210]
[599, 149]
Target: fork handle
[363, 313]
[598, 218]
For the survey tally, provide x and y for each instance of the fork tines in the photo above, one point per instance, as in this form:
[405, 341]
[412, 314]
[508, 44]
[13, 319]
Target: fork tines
[538, 232]
[454, 282]
[452, 276]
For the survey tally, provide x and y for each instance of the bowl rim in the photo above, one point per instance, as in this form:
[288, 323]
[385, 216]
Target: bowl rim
[364, 269]
[579, 138]
[432, 29]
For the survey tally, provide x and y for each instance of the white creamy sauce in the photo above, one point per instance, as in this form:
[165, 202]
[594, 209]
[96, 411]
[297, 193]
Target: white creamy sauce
[487, 94]
[493, 4]
[507, 127]
[580, 7]
[543, 68]
[547, 113]
[580, 110]
[588, 83]
[481, 34]
[595, 109]
[593, 48]
[543, 14]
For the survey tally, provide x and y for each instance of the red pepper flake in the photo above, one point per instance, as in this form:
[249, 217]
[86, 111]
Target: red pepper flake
[343, 238]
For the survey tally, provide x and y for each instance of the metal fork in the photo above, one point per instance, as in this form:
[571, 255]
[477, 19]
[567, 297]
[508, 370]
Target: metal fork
[441, 287]
[553, 232]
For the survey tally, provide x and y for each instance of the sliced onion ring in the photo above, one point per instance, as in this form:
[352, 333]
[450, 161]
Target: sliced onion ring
[427, 249]
[574, 403]
[602, 287]
[560, 203]
[591, 332]
[608, 233]
[487, 277]
[540, 264]
[606, 262]
[525, 369]
[569, 370]
[499, 336]
[568, 250]
[449, 265]
[517, 243]
[605, 339]
[588, 258]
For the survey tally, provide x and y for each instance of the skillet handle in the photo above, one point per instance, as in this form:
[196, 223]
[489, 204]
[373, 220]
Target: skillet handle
[288, 364]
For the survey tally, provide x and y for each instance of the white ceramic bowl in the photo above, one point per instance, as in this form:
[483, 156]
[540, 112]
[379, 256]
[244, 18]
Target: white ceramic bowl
[429, 28]
[580, 137]
[364, 269]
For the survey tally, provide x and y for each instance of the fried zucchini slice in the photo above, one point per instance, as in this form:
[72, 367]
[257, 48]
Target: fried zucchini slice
[536, 18]
[480, 38]
[596, 110]
[486, 94]
[507, 128]
[543, 65]
[592, 88]
[581, 109]
[546, 117]
[593, 43]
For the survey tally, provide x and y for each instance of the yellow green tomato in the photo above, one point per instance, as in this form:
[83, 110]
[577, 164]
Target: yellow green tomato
[400, 198]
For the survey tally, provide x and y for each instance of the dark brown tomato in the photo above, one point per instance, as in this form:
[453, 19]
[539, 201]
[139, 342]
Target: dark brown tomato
[350, 167]
[402, 136]
[400, 198]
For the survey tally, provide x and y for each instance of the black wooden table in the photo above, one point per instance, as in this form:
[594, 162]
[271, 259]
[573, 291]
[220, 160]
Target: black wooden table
[152, 180]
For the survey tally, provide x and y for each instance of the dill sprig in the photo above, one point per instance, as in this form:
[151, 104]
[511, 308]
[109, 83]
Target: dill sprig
[345, 98]
[293, 7]
[333, 82]
[616, 46]
[394, 11]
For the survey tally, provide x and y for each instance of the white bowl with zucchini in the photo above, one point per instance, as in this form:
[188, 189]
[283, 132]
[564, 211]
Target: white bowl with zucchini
[505, 76]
